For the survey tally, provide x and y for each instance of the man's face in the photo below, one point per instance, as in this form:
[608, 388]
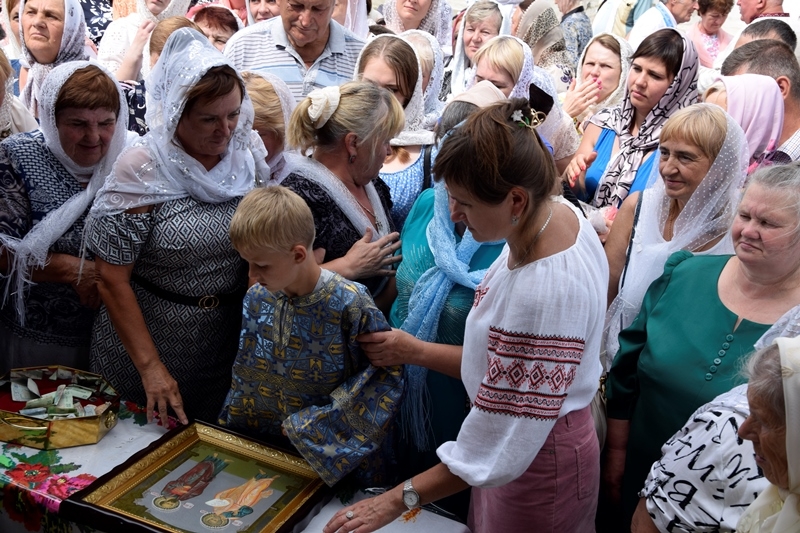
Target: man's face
[306, 22]
[749, 9]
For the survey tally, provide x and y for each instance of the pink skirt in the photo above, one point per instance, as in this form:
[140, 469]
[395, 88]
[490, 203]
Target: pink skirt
[558, 492]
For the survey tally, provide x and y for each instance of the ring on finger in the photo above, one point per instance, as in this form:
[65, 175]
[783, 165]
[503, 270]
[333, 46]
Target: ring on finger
[349, 515]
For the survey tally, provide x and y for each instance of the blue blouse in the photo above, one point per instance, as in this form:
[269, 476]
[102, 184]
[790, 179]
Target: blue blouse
[604, 147]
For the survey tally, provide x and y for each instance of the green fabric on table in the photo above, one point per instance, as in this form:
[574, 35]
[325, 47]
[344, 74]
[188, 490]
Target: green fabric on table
[680, 353]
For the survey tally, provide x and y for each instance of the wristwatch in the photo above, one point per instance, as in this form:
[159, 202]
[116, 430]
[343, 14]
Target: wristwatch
[410, 496]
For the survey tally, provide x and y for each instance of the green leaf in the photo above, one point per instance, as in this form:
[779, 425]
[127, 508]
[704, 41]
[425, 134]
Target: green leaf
[63, 469]
[6, 462]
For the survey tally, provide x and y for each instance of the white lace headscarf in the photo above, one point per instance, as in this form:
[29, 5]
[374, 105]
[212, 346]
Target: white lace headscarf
[523, 84]
[71, 49]
[777, 510]
[460, 67]
[617, 94]
[357, 19]
[414, 132]
[156, 169]
[278, 163]
[706, 216]
[30, 252]
[437, 21]
[13, 49]
[433, 106]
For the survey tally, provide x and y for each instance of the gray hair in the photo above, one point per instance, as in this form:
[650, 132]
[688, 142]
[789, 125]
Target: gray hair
[765, 380]
[784, 179]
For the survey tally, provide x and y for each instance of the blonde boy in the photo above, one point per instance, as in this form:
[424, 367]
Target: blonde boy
[299, 370]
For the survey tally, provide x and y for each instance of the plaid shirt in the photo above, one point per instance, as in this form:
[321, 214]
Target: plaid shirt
[788, 151]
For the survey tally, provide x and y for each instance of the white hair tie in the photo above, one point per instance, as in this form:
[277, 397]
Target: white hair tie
[323, 104]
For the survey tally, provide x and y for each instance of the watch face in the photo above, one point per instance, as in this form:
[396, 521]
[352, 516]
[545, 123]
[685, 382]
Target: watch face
[410, 498]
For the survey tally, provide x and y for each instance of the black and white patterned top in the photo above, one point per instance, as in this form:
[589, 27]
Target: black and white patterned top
[182, 246]
[97, 14]
[335, 233]
[707, 475]
[32, 184]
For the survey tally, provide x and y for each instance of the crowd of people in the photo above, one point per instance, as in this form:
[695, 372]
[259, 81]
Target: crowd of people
[548, 255]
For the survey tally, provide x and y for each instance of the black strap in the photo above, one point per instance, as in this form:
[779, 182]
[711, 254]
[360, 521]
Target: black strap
[426, 167]
[209, 301]
[630, 242]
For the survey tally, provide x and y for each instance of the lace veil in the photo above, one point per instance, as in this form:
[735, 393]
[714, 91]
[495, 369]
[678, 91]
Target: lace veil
[71, 49]
[414, 132]
[13, 46]
[437, 21]
[357, 19]
[155, 168]
[30, 252]
[707, 215]
[433, 106]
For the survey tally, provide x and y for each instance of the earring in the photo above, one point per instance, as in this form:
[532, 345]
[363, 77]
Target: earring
[514, 220]
[352, 159]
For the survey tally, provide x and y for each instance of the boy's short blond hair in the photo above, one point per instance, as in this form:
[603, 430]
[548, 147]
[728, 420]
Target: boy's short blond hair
[275, 218]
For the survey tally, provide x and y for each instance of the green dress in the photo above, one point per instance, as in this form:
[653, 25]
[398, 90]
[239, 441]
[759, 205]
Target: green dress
[680, 353]
[447, 404]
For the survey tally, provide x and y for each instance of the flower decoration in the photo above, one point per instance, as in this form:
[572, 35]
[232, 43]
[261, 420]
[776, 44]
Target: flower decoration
[27, 474]
[63, 486]
[517, 116]
[524, 122]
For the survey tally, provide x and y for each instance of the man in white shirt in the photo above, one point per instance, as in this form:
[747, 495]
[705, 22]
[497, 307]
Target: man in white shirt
[666, 14]
[774, 59]
[303, 47]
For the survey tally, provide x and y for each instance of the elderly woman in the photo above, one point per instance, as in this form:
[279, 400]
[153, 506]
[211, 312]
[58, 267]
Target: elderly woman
[273, 104]
[774, 397]
[171, 283]
[602, 74]
[482, 21]
[53, 33]
[124, 48]
[432, 16]
[617, 152]
[689, 205]
[540, 29]
[348, 129]
[390, 62]
[755, 102]
[675, 357]
[508, 63]
[49, 180]
[522, 405]
[707, 34]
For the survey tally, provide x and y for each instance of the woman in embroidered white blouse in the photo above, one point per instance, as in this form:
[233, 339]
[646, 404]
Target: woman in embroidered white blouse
[530, 360]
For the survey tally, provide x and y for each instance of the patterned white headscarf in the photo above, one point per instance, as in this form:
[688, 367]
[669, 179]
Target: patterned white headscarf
[156, 169]
[437, 21]
[433, 106]
[414, 133]
[71, 49]
[31, 251]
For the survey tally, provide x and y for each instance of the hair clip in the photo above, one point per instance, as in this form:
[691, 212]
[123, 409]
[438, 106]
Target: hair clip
[531, 123]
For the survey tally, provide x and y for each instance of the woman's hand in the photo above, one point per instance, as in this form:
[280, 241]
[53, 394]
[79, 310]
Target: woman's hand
[576, 170]
[368, 515]
[579, 98]
[162, 391]
[390, 348]
[142, 35]
[366, 259]
[85, 284]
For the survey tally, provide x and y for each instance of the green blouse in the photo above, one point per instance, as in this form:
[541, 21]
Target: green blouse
[682, 351]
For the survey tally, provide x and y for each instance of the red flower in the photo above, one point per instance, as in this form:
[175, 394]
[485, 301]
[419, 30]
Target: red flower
[30, 475]
[62, 486]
